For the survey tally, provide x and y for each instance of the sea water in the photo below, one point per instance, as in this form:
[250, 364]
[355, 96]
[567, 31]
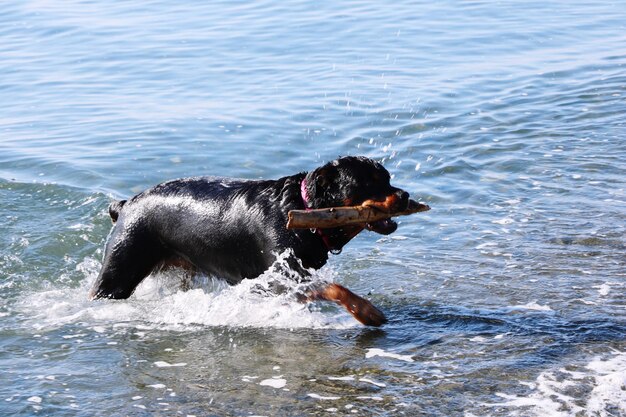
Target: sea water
[507, 118]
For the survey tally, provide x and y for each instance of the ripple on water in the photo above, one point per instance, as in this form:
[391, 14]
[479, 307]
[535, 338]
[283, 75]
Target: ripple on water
[507, 118]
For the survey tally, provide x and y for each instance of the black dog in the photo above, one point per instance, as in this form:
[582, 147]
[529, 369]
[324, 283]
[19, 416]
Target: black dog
[233, 229]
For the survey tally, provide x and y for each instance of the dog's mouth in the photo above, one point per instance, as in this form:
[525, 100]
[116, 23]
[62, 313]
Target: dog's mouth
[389, 204]
[383, 227]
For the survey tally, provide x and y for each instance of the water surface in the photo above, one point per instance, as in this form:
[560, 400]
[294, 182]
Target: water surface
[506, 299]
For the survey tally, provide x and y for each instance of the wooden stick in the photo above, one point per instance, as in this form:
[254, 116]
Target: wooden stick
[342, 216]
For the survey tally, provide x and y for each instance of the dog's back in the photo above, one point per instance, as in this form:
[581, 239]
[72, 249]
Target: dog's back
[228, 228]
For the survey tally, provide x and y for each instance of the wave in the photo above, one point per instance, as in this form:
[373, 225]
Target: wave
[565, 392]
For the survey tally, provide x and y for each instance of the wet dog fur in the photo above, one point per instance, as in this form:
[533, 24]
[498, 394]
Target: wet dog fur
[233, 229]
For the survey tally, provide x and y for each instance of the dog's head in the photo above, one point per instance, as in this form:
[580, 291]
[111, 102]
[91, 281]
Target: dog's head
[354, 181]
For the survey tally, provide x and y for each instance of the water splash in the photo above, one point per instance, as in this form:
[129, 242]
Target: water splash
[160, 301]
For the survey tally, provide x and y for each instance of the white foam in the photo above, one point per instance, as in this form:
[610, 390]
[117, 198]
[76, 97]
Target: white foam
[81, 227]
[380, 352]
[477, 339]
[504, 221]
[159, 302]
[486, 244]
[531, 306]
[371, 381]
[610, 386]
[603, 289]
[163, 364]
[274, 382]
[557, 393]
[587, 302]
[322, 397]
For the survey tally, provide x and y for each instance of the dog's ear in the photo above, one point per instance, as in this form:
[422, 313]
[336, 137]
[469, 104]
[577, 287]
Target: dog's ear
[321, 186]
[325, 176]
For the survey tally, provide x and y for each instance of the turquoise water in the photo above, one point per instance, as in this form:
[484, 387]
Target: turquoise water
[506, 299]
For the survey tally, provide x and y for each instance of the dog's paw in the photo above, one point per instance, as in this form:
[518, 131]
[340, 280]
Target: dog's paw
[365, 312]
[359, 307]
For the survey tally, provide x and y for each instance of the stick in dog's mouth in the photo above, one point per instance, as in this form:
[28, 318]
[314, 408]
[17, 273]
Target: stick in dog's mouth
[373, 217]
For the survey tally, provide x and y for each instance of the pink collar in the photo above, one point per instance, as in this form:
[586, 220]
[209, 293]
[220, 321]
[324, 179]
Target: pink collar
[305, 199]
[304, 194]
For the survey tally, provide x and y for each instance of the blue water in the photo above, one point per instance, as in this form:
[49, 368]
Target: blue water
[506, 299]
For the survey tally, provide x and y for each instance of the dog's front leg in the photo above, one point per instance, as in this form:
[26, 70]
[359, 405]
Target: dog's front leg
[359, 307]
